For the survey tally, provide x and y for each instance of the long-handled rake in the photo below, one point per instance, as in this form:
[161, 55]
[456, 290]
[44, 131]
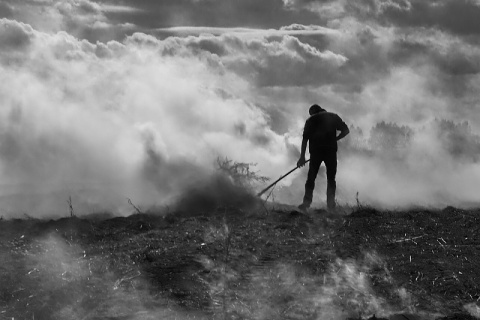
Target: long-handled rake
[274, 183]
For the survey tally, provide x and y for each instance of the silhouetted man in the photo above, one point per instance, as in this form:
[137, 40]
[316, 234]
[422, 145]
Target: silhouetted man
[321, 133]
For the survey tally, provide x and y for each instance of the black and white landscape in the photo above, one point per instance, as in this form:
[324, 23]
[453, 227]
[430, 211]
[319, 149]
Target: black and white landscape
[134, 135]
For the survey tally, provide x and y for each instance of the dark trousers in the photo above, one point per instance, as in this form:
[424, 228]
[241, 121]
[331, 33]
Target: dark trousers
[330, 158]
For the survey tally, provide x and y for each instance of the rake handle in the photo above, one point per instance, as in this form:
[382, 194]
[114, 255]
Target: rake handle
[274, 183]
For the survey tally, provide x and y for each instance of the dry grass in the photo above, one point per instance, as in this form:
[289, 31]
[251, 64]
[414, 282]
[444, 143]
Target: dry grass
[242, 265]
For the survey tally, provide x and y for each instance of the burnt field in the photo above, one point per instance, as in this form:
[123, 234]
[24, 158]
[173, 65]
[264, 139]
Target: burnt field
[271, 264]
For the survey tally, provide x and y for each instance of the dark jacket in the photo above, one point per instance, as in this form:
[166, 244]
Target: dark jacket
[321, 131]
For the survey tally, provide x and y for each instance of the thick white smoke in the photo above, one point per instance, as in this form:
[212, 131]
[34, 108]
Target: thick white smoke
[108, 121]
[145, 118]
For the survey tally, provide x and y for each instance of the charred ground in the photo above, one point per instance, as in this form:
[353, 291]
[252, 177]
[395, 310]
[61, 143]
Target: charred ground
[272, 264]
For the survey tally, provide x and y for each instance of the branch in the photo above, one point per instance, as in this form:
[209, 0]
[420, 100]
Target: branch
[134, 206]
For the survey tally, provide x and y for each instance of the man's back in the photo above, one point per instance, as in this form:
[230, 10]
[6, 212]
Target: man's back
[321, 131]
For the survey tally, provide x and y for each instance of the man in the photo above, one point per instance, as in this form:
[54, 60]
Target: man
[321, 133]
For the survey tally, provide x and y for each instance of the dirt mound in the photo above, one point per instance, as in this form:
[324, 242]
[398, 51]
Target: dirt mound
[218, 191]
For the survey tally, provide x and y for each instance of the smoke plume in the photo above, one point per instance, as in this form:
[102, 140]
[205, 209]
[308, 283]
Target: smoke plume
[145, 118]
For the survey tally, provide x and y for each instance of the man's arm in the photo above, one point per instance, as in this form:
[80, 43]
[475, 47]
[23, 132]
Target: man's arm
[342, 127]
[343, 133]
[301, 161]
[306, 135]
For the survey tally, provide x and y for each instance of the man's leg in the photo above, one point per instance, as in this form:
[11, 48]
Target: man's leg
[331, 164]
[313, 168]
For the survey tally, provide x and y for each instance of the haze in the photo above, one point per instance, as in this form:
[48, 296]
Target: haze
[103, 100]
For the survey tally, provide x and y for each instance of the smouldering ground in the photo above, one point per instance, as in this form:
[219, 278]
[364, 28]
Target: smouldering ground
[274, 264]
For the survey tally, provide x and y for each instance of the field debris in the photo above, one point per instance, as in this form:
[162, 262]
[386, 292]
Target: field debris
[235, 264]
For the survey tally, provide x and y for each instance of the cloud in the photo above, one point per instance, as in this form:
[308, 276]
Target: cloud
[229, 13]
[458, 17]
[454, 16]
[166, 103]
[119, 119]
[118, 8]
[268, 61]
[294, 29]
[378, 7]
[14, 35]
[78, 16]
[84, 19]
[6, 11]
[451, 54]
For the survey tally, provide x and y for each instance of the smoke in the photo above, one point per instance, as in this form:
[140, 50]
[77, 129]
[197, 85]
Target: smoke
[472, 309]
[60, 278]
[283, 290]
[216, 191]
[392, 166]
[145, 119]
[416, 166]
[68, 282]
[109, 121]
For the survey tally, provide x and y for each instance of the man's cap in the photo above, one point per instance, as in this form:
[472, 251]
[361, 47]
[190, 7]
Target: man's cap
[315, 109]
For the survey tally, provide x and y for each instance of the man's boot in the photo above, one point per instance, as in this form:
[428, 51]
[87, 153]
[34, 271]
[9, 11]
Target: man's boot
[307, 199]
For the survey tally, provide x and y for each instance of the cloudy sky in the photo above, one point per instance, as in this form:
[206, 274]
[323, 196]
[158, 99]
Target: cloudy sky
[137, 98]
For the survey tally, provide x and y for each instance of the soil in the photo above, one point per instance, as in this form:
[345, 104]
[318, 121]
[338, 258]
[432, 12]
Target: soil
[357, 263]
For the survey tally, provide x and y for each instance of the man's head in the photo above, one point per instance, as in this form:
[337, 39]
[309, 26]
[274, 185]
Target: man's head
[315, 109]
